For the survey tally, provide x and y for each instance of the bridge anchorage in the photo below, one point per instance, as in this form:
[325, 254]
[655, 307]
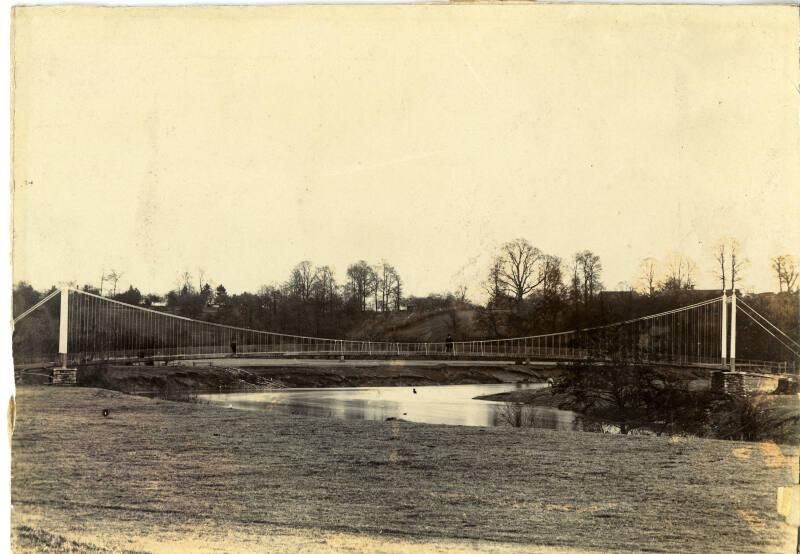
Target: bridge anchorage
[84, 328]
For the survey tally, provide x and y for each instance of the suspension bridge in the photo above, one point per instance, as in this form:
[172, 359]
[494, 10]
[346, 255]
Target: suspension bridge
[70, 327]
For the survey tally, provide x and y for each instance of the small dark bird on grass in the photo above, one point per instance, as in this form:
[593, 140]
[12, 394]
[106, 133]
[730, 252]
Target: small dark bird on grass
[414, 390]
[105, 412]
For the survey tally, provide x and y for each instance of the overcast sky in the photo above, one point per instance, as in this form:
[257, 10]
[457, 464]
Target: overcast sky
[243, 141]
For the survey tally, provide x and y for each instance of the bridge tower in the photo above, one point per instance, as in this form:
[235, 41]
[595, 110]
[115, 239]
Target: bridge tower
[733, 330]
[726, 360]
[64, 375]
[63, 327]
[724, 327]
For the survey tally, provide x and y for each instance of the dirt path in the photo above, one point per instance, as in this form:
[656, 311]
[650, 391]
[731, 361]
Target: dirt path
[156, 475]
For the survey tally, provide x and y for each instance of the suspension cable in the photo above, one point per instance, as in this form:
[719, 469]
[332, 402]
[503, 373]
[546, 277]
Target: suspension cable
[139, 329]
[38, 304]
[792, 350]
[653, 316]
[769, 322]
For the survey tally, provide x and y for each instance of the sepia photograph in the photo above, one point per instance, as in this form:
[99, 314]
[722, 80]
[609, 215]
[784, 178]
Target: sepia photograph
[499, 277]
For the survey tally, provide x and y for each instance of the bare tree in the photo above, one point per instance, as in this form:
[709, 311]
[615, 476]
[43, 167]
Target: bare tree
[779, 265]
[720, 256]
[553, 281]
[587, 270]
[575, 283]
[494, 285]
[302, 280]
[674, 271]
[360, 280]
[647, 275]
[737, 263]
[185, 282]
[324, 287]
[679, 272]
[391, 285]
[375, 286]
[786, 270]
[114, 276]
[397, 292]
[689, 270]
[729, 260]
[522, 268]
[270, 298]
[386, 285]
[201, 277]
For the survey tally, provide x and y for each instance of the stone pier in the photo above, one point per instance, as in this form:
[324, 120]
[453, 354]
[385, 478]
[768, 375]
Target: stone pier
[742, 383]
[64, 376]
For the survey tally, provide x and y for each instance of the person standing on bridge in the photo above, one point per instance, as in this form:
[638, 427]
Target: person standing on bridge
[233, 346]
[448, 343]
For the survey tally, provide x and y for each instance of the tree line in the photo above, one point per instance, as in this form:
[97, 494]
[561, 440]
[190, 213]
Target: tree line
[528, 291]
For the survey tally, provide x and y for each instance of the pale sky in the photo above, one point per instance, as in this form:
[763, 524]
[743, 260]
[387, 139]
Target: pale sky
[244, 140]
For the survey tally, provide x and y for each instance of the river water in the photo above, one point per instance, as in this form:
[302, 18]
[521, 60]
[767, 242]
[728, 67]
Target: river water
[448, 404]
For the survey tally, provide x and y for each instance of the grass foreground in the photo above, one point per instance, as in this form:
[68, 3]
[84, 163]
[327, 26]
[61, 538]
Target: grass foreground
[160, 476]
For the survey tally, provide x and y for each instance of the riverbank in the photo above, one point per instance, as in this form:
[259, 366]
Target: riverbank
[541, 398]
[156, 476]
[233, 373]
[696, 379]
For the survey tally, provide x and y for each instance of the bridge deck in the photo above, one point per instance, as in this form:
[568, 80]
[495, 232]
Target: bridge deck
[319, 359]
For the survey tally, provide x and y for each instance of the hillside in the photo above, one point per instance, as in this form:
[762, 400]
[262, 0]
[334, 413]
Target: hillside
[461, 323]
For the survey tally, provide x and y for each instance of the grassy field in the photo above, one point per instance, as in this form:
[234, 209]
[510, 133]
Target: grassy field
[157, 476]
[419, 326]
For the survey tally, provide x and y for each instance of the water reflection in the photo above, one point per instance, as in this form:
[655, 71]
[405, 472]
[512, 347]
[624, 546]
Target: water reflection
[450, 404]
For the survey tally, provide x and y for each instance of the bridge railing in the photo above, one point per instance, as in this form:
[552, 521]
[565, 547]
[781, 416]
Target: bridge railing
[100, 329]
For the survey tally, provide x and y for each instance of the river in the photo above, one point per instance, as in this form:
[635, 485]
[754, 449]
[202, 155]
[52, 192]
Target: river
[447, 404]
